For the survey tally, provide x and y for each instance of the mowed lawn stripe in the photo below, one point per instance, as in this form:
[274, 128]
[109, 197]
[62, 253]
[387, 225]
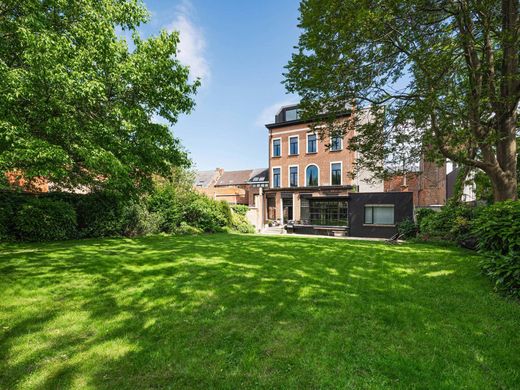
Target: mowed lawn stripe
[238, 311]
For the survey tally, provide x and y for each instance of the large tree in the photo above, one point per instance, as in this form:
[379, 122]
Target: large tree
[448, 68]
[78, 102]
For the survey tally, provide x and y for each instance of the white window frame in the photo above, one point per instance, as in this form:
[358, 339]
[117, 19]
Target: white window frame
[307, 143]
[272, 176]
[289, 175]
[305, 175]
[289, 145]
[272, 147]
[341, 173]
[340, 144]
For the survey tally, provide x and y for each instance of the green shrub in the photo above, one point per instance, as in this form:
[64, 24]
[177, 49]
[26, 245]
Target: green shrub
[504, 270]
[6, 218]
[139, 221]
[184, 230]
[451, 223]
[240, 209]
[100, 215]
[241, 224]
[407, 229]
[43, 219]
[420, 214]
[497, 228]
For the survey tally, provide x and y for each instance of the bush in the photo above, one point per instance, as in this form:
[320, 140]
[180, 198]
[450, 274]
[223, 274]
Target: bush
[241, 224]
[451, 223]
[497, 229]
[240, 209]
[100, 215]
[184, 230]
[42, 219]
[420, 214]
[6, 218]
[407, 229]
[504, 271]
[139, 221]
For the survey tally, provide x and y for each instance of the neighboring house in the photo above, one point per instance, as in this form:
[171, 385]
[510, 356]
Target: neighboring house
[468, 192]
[234, 187]
[207, 179]
[428, 185]
[38, 184]
[311, 185]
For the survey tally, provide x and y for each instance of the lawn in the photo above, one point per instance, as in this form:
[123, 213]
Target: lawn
[234, 311]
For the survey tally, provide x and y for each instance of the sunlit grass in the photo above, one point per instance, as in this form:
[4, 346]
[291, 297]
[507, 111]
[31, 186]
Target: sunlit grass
[231, 311]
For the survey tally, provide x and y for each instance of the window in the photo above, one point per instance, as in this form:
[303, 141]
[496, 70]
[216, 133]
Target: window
[276, 177]
[277, 147]
[379, 214]
[292, 115]
[311, 143]
[335, 174]
[336, 143]
[293, 176]
[328, 212]
[293, 146]
[311, 176]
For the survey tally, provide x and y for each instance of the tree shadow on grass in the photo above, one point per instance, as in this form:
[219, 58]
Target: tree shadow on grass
[247, 311]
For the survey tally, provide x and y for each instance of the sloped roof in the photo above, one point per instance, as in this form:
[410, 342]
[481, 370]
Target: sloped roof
[259, 175]
[204, 178]
[230, 178]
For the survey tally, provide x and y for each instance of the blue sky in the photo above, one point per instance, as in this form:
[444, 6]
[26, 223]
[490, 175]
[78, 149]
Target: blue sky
[239, 49]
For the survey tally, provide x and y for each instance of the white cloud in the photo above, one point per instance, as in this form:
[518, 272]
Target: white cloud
[267, 115]
[192, 46]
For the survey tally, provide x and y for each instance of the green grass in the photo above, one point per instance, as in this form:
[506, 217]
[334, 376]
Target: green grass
[232, 311]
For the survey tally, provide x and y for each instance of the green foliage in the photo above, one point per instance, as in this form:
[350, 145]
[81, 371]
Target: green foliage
[498, 228]
[42, 219]
[137, 220]
[407, 228]
[186, 230]
[421, 213]
[100, 215]
[240, 224]
[77, 104]
[504, 270]
[240, 209]
[429, 71]
[451, 223]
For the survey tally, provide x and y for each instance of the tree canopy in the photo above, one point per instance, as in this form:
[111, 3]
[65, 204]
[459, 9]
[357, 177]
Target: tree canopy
[441, 79]
[78, 101]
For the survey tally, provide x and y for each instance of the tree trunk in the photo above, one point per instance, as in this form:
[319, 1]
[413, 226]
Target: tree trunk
[505, 186]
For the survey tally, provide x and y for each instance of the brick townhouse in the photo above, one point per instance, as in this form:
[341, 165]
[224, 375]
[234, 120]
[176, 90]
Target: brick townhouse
[310, 184]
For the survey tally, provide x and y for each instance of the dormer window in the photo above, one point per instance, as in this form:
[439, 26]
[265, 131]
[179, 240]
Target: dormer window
[292, 114]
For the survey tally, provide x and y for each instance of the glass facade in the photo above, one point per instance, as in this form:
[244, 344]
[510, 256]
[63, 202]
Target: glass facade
[324, 212]
[293, 177]
[277, 148]
[335, 174]
[312, 143]
[293, 145]
[311, 176]
[379, 215]
[276, 177]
